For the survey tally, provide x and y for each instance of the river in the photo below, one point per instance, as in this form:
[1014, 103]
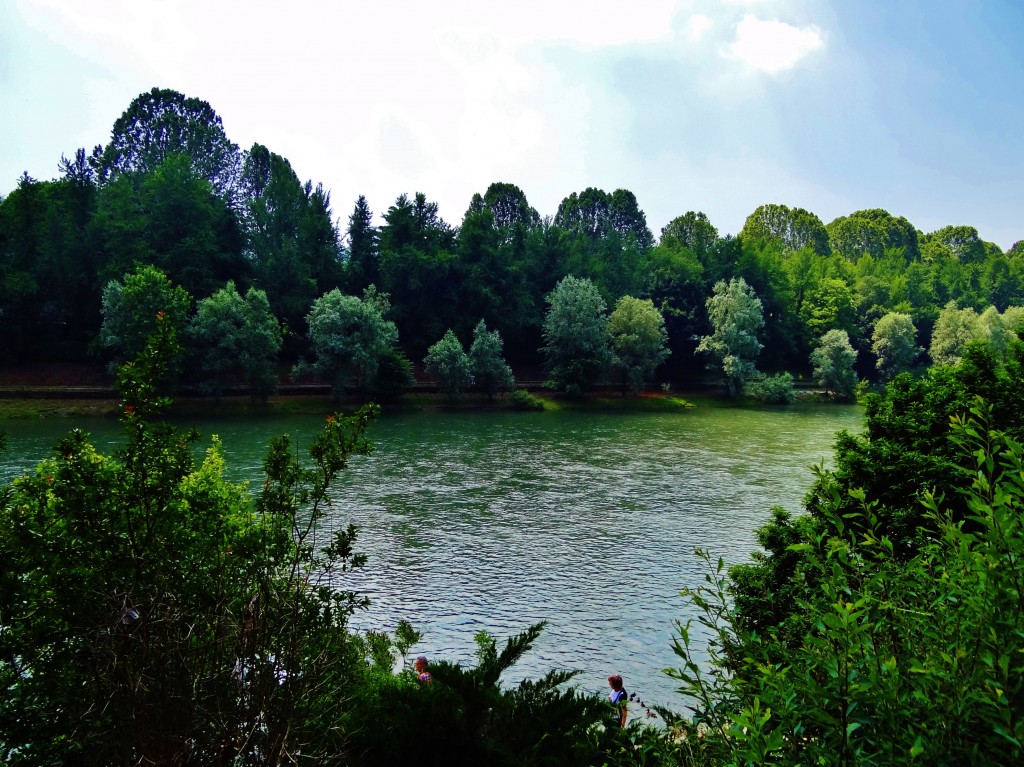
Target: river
[496, 520]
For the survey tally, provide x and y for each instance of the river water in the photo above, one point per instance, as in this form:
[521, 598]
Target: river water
[494, 521]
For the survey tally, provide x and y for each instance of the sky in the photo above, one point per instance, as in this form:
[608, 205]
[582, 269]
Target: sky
[705, 105]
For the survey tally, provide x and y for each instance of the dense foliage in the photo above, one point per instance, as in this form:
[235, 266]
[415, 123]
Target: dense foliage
[900, 660]
[577, 343]
[235, 340]
[448, 363]
[736, 316]
[153, 612]
[170, 190]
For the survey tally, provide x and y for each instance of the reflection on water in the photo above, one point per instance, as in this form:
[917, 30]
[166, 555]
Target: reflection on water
[493, 521]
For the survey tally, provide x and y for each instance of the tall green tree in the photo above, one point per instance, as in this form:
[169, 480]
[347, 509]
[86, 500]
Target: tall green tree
[502, 273]
[833, 362]
[596, 214]
[961, 243]
[491, 374]
[954, 329]
[894, 343]
[319, 241]
[873, 232]
[350, 336]
[736, 317]
[417, 262]
[513, 214]
[998, 331]
[829, 305]
[274, 211]
[577, 344]
[609, 238]
[49, 296]
[448, 364]
[691, 230]
[133, 307]
[169, 217]
[363, 267]
[485, 273]
[762, 264]
[676, 283]
[639, 340]
[164, 122]
[235, 340]
[791, 228]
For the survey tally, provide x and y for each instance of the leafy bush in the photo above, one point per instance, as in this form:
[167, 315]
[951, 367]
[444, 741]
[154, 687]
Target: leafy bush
[448, 364]
[153, 612]
[394, 375]
[900, 661]
[490, 373]
[521, 399]
[464, 716]
[773, 390]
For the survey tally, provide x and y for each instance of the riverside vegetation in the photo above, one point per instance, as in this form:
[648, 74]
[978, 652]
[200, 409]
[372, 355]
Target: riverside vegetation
[153, 612]
[250, 265]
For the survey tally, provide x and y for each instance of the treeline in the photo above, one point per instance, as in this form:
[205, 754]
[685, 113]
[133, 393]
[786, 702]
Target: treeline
[170, 190]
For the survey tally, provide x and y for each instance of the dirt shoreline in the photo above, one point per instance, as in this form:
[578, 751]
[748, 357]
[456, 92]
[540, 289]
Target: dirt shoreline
[87, 389]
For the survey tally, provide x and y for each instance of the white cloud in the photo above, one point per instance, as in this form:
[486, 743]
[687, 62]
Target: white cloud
[773, 46]
[603, 23]
[697, 26]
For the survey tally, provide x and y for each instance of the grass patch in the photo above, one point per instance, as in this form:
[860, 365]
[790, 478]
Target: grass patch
[57, 408]
[645, 403]
[308, 404]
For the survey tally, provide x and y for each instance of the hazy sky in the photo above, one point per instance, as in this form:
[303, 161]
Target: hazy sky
[915, 107]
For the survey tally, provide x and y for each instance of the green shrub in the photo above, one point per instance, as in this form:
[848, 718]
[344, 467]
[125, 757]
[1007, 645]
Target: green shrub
[773, 390]
[394, 375]
[521, 399]
[153, 612]
[465, 716]
[900, 661]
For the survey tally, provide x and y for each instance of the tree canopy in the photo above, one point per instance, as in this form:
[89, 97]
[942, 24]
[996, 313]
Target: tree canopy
[638, 339]
[577, 350]
[171, 190]
[736, 317]
[350, 337]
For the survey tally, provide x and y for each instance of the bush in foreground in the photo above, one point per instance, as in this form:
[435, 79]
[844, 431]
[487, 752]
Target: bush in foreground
[918, 661]
[152, 612]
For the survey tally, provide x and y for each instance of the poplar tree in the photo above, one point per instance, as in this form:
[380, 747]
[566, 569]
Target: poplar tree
[736, 317]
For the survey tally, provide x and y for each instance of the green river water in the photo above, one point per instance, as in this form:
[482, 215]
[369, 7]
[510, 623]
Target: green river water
[496, 520]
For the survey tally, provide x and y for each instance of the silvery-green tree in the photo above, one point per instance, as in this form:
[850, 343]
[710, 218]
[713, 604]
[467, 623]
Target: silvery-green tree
[954, 329]
[577, 346]
[639, 340]
[833, 361]
[894, 342]
[235, 339]
[350, 336]
[448, 364]
[999, 330]
[491, 374]
[736, 316]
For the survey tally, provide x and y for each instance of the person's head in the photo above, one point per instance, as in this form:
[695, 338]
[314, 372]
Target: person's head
[421, 663]
[615, 682]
